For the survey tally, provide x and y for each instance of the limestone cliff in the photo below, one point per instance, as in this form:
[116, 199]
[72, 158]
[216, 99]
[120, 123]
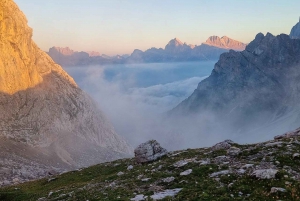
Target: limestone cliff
[41, 105]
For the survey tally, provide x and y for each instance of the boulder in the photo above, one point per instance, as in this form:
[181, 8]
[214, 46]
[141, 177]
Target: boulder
[277, 189]
[149, 151]
[221, 145]
[265, 173]
[233, 151]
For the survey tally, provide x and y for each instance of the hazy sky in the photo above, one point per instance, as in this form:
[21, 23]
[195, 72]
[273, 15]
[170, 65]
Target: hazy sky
[120, 26]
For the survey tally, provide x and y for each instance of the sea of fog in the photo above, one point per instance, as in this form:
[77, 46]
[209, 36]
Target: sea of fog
[135, 96]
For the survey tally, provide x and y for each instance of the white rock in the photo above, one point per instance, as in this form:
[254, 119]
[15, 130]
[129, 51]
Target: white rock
[265, 173]
[146, 179]
[271, 144]
[168, 179]
[241, 171]
[187, 172]
[205, 162]
[120, 173]
[277, 189]
[223, 172]
[166, 193]
[180, 163]
[50, 194]
[247, 166]
[130, 167]
[138, 198]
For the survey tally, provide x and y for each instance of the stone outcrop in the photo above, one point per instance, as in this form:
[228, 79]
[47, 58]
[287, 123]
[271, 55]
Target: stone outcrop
[149, 151]
[265, 173]
[221, 145]
[42, 107]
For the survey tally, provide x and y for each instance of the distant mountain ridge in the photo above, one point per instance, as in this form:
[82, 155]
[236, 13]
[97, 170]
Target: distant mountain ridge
[174, 51]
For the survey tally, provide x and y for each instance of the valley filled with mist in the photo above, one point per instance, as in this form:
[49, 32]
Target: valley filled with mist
[137, 97]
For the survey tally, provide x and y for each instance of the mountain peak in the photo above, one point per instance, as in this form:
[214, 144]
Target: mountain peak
[62, 50]
[295, 32]
[42, 109]
[225, 43]
[175, 42]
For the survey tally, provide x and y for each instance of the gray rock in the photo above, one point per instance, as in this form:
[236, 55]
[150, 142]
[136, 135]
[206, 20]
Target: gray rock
[166, 193]
[294, 133]
[180, 163]
[221, 159]
[120, 173]
[187, 172]
[296, 155]
[168, 179]
[271, 144]
[221, 145]
[277, 189]
[146, 179]
[233, 151]
[149, 151]
[223, 172]
[138, 198]
[265, 173]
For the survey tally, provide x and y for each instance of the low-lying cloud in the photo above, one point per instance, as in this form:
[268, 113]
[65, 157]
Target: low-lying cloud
[136, 99]
[136, 112]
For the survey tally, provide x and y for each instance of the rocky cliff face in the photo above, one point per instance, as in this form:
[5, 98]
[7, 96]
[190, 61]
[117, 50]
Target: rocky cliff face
[225, 43]
[295, 32]
[42, 107]
[253, 88]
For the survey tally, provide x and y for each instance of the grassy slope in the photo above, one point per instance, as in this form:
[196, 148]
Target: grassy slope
[101, 182]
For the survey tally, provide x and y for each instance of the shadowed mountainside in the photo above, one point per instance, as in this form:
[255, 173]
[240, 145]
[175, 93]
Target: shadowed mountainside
[257, 88]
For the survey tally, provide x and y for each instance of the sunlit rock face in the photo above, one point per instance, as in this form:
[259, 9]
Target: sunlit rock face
[41, 105]
[225, 43]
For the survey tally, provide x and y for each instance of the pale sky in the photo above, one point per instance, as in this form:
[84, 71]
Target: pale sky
[120, 26]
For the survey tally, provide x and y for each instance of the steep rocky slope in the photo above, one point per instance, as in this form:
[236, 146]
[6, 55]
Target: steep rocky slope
[226, 171]
[225, 43]
[256, 88]
[42, 107]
